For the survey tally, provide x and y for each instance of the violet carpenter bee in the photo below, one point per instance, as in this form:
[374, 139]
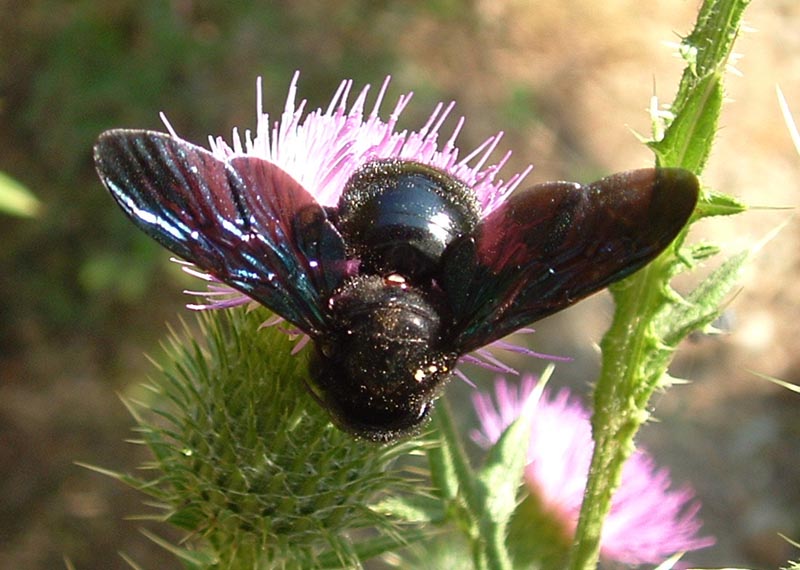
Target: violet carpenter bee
[404, 275]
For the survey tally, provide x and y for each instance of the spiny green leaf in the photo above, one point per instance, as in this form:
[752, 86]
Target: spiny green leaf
[718, 204]
[443, 470]
[501, 475]
[703, 304]
[687, 141]
[449, 461]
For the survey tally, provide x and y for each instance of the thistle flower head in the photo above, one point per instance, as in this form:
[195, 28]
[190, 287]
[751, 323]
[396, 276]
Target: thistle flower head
[243, 459]
[323, 148]
[649, 520]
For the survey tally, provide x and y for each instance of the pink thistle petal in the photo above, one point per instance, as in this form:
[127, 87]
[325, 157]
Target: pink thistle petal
[322, 149]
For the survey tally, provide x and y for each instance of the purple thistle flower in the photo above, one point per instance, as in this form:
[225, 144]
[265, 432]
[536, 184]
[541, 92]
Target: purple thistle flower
[322, 149]
[648, 521]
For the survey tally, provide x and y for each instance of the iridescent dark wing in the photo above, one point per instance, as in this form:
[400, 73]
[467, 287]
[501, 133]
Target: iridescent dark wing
[245, 221]
[551, 245]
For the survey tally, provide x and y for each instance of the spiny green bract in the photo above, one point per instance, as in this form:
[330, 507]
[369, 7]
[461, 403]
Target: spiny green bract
[247, 460]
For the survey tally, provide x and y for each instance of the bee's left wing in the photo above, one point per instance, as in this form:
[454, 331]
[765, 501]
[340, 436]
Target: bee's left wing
[245, 221]
[553, 244]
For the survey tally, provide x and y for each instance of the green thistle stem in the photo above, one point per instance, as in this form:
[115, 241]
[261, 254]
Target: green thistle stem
[621, 395]
[650, 320]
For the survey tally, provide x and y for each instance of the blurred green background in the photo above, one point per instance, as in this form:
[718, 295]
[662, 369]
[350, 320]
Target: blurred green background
[83, 295]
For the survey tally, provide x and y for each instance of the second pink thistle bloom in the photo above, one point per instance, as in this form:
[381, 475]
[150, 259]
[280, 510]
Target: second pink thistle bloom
[649, 520]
